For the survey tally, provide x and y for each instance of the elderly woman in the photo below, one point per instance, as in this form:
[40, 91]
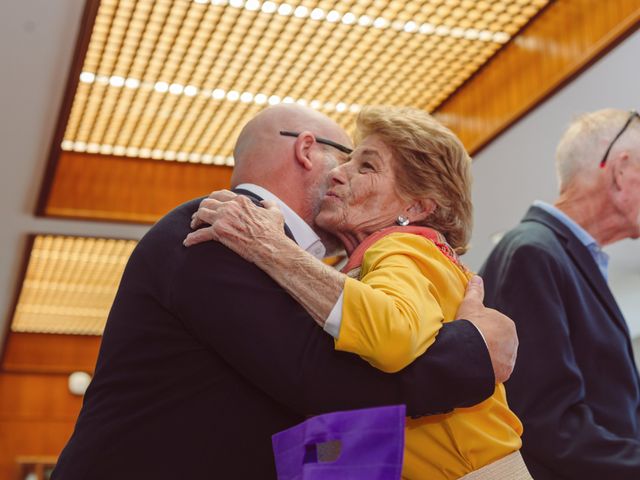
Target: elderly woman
[401, 206]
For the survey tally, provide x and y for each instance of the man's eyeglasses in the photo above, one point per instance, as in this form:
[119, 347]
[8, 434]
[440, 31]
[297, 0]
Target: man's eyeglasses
[323, 141]
[632, 115]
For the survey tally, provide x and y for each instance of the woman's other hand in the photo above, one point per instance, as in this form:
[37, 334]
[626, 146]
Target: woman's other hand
[497, 330]
[252, 232]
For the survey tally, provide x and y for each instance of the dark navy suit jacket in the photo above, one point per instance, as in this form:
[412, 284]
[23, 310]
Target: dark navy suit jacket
[204, 357]
[575, 385]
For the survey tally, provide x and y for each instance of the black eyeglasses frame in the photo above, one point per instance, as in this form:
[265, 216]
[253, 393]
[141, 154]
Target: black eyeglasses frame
[321, 140]
[632, 115]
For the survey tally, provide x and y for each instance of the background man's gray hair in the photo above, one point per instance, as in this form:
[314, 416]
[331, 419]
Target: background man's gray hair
[583, 144]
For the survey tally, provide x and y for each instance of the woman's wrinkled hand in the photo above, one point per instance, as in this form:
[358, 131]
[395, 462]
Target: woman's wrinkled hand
[235, 221]
[220, 196]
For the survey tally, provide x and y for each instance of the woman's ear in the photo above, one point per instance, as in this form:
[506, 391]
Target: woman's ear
[302, 147]
[420, 210]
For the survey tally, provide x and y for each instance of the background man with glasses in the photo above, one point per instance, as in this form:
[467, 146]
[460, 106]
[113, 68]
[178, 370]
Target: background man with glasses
[575, 385]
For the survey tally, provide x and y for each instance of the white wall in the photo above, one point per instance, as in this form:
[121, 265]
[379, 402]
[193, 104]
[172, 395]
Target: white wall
[37, 40]
[518, 167]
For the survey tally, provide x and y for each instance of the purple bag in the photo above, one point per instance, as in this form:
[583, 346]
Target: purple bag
[354, 445]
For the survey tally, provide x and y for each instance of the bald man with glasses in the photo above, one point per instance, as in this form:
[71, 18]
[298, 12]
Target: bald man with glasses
[575, 385]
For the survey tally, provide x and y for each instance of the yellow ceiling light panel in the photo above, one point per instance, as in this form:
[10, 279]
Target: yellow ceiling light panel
[176, 80]
[70, 284]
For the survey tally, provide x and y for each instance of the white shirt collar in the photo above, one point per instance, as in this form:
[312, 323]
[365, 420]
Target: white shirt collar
[303, 234]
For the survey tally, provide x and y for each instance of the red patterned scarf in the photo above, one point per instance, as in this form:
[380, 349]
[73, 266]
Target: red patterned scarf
[355, 260]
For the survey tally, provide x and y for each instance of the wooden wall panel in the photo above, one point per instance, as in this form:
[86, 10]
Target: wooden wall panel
[37, 397]
[560, 42]
[127, 189]
[37, 411]
[46, 353]
[37, 416]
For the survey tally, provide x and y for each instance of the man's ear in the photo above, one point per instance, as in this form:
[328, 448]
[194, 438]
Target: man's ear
[420, 210]
[302, 147]
[619, 165]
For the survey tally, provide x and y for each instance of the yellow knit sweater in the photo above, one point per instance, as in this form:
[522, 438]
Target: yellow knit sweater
[392, 315]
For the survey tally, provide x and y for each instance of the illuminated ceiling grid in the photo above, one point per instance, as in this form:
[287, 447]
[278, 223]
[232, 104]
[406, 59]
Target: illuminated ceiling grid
[70, 284]
[177, 80]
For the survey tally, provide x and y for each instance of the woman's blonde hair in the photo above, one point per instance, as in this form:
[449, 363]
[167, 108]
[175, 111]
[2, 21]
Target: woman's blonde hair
[430, 162]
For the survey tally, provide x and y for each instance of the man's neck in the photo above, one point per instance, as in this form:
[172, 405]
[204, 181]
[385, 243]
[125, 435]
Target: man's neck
[285, 195]
[594, 213]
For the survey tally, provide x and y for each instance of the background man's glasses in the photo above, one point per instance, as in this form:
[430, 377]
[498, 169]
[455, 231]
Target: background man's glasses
[632, 115]
[323, 141]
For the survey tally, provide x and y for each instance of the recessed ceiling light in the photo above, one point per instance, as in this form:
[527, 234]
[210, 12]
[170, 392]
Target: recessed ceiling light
[301, 11]
[427, 28]
[317, 14]
[333, 16]
[161, 87]
[190, 91]
[410, 27]
[485, 36]
[365, 21]
[87, 77]
[80, 146]
[285, 9]
[93, 148]
[381, 22]
[349, 18]
[119, 150]
[116, 81]
[269, 7]
[176, 88]
[106, 149]
[132, 83]
[252, 5]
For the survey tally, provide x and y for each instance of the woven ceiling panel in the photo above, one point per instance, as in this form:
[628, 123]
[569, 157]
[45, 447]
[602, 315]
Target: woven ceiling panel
[176, 80]
[70, 284]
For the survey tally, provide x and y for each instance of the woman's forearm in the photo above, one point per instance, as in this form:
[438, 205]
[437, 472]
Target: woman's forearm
[314, 285]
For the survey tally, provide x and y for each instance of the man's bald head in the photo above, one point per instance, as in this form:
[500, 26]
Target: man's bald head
[292, 168]
[261, 144]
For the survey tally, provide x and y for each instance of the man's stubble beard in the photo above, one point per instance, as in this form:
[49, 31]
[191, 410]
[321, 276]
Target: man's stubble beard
[331, 243]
